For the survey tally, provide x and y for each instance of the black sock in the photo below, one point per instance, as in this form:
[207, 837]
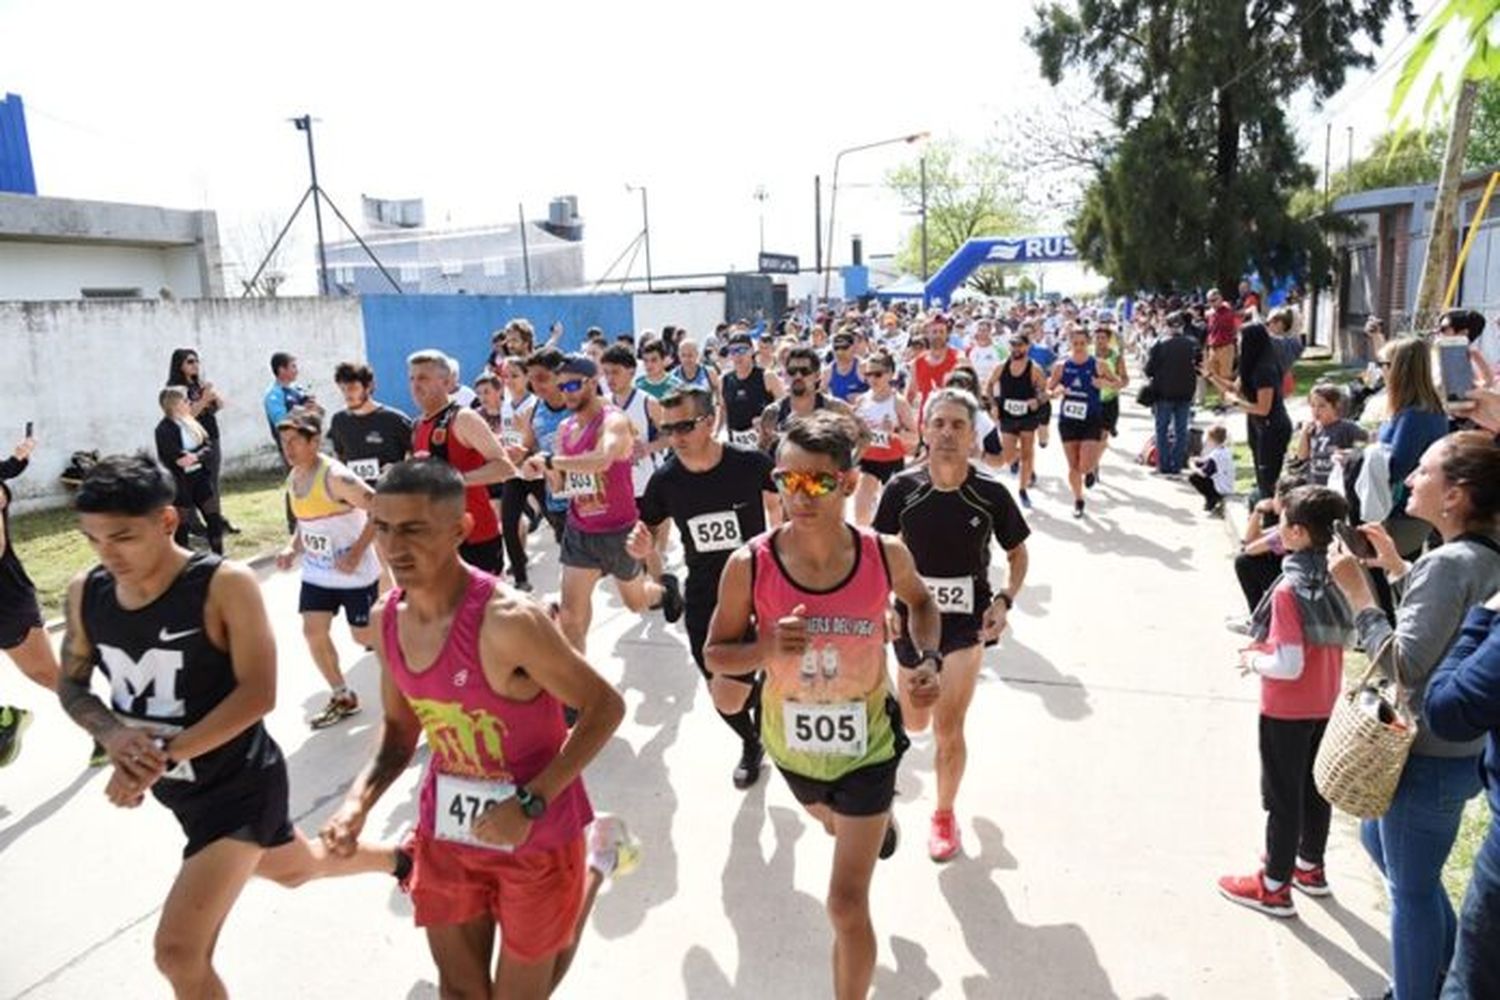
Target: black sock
[743, 725]
[403, 865]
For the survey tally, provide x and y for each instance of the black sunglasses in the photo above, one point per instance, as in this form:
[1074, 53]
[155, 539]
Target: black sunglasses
[682, 426]
[794, 372]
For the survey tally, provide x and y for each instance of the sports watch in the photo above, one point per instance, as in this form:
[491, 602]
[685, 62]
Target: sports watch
[532, 805]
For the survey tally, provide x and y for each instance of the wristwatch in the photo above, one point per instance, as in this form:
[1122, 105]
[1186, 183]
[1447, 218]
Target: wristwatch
[547, 461]
[532, 805]
[1010, 602]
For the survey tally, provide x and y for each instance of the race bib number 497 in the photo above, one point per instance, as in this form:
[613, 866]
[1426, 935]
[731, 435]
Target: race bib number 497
[461, 801]
[839, 728]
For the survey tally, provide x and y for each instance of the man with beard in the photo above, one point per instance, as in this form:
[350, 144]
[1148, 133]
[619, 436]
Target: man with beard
[803, 398]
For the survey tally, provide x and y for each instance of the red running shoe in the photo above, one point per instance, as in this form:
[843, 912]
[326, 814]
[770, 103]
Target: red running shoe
[1311, 881]
[1251, 891]
[943, 843]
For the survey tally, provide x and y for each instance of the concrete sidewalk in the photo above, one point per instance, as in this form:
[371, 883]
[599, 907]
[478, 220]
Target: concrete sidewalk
[1113, 775]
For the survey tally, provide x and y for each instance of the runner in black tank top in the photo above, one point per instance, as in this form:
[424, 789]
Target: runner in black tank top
[1019, 400]
[744, 401]
[184, 713]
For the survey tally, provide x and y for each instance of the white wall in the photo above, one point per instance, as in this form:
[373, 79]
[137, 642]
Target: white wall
[88, 372]
[38, 271]
[696, 312]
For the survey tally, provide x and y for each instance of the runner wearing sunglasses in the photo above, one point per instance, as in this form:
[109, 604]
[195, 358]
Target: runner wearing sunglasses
[892, 427]
[719, 495]
[803, 397]
[816, 591]
[744, 391]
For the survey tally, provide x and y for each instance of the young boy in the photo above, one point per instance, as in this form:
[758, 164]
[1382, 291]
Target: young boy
[1300, 630]
[1213, 471]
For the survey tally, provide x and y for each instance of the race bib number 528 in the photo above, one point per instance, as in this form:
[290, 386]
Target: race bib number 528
[716, 532]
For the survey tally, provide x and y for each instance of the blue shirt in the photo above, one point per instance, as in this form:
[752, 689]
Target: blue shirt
[1409, 433]
[1042, 356]
[1463, 693]
[544, 424]
[281, 400]
[850, 384]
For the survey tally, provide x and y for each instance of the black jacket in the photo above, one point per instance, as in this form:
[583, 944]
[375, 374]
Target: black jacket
[1172, 368]
[169, 449]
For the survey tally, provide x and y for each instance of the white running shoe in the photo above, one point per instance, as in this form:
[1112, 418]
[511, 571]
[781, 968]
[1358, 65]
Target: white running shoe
[613, 851]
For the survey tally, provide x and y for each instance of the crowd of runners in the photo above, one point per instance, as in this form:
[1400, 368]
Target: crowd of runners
[835, 486]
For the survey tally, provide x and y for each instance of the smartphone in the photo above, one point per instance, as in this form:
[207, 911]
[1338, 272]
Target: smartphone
[1358, 545]
[28, 431]
[1454, 368]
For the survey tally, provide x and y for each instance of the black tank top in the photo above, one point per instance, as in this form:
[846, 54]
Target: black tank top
[163, 670]
[745, 399]
[1016, 386]
[784, 409]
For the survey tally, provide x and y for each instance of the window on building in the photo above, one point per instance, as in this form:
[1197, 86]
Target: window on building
[110, 293]
[411, 273]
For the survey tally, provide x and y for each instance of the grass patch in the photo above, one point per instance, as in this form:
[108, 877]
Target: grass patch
[1460, 864]
[1308, 373]
[54, 551]
[1244, 468]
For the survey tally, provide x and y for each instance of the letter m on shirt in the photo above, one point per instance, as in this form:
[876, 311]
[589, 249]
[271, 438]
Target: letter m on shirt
[152, 677]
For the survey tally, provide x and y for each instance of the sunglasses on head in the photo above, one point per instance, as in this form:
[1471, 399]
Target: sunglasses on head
[571, 385]
[811, 484]
[800, 370]
[682, 426]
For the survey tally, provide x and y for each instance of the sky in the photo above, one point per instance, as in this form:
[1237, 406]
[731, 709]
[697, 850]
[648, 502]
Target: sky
[478, 107]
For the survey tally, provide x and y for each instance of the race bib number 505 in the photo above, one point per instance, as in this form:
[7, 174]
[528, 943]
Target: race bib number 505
[838, 728]
[461, 801]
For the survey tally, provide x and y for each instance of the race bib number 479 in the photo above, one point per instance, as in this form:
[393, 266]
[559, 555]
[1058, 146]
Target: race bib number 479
[461, 801]
[839, 728]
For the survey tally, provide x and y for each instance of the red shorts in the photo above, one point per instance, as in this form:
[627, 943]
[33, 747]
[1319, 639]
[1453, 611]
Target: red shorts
[534, 897]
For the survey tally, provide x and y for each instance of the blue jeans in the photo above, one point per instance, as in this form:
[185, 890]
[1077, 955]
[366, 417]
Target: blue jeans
[1476, 959]
[1171, 450]
[1409, 844]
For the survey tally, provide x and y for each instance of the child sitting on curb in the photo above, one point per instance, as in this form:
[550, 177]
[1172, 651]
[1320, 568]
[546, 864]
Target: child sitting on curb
[1300, 630]
[1213, 471]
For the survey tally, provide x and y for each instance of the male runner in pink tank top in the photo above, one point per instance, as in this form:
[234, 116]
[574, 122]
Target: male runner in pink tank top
[502, 817]
[816, 591]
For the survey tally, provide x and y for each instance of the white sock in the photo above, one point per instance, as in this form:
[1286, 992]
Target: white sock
[1271, 883]
[603, 862]
[341, 691]
[1306, 866]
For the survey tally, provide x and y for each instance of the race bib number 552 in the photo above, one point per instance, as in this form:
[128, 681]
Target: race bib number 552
[953, 595]
[838, 728]
[461, 801]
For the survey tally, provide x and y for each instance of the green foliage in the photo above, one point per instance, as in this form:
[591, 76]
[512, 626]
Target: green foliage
[967, 196]
[1480, 59]
[1197, 186]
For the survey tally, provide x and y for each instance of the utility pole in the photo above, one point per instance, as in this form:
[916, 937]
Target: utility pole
[304, 124]
[645, 229]
[923, 165]
[525, 253]
[1349, 162]
[760, 196]
[817, 223]
[1327, 152]
[1444, 227]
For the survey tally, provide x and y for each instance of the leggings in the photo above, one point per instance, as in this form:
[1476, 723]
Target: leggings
[512, 508]
[1269, 439]
[195, 491]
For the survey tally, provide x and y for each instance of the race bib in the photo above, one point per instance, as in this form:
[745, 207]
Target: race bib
[183, 770]
[367, 469]
[512, 439]
[579, 484]
[461, 801]
[315, 543]
[716, 532]
[953, 595]
[1075, 409]
[880, 438]
[749, 438]
[1017, 407]
[838, 728]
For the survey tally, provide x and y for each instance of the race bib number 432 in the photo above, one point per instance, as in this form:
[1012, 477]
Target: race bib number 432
[461, 801]
[839, 728]
[715, 532]
[1075, 409]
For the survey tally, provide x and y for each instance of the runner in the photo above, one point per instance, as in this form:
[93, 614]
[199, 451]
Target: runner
[817, 590]
[185, 643]
[500, 841]
[521, 500]
[1046, 357]
[1019, 386]
[1076, 380]
[591, 469]
[690, 368]
[946, 512]
[933, 364]
[647, 447]
[656, 381]
[802, 398]
[334, 538]
[892, 430]
[541, 430]
[459, 436]
[367, 436]
[984, 354]
[841, 378]
[744, 392]
[1107, 351]
[718, 495]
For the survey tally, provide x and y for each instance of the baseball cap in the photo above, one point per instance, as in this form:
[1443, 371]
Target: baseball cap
[578, 364]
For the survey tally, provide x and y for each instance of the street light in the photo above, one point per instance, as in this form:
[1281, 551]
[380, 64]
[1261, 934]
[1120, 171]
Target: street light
[645, 228]
[833, 199]
[760, 195]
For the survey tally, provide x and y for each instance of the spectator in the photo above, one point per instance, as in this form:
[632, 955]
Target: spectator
[1213, 471]
[1463, 703]
[285, 395]
[1415, 420]
[183, 446]
[1172, 372]
[1258, 393]
[1282, 323]
[1456, 488]
[1374, 336]
[1223, 326]
[1327, 434]
[204, 403]
[1259, 561]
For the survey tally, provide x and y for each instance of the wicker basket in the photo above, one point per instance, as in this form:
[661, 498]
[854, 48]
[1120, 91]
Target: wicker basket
[1361, 758]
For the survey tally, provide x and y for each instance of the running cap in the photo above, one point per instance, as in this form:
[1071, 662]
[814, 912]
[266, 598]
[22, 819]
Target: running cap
[578, 364]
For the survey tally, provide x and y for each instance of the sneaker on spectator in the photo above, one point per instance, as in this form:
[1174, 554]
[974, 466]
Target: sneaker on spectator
[1311, 881]
[1251, 891]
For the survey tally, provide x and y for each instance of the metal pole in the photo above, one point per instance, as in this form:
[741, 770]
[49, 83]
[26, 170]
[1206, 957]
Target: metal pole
[525, 253]
[1349, 166]
[817, 223]
[923, 165]
[646, 228]
[1327, 150]
[760, 196]
[305, 124]
[255, 278]
[833, 204]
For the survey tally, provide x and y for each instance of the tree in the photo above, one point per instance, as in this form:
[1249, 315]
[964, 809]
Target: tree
[1197, 185]
[967, 196]
[249, 244]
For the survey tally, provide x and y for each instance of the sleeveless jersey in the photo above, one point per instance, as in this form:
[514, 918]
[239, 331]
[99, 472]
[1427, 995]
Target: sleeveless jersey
[700, 379]
[881, 418]
[845, 385]
[824, 713]
[598, 502]
[1080, 402]
[744, 401]
[511, 415]
[1016, 391]
[544, 424]
[1108, 363]
[985, 360]
[483, 744]
[634, 407]
[165, 675]
[329, 528]
[656, 390]
[434, 436]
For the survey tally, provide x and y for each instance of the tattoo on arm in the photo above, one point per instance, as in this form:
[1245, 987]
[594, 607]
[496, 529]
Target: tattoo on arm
[73, 686]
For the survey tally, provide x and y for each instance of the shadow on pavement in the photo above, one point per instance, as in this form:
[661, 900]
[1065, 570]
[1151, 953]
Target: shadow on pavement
[1024, 669]
[1057, 960]
[1370, 940]
[47, 809]
[1098, 533]
[782, 935]
[640, 791]
[912, 976]
[1033, 599]
[1360, 977]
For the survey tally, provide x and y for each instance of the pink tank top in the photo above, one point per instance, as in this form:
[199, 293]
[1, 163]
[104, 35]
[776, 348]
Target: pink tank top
[475, 735]
[844, 663]
[598, 502]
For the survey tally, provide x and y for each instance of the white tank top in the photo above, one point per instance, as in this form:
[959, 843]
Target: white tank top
[510, 414]
[634, 407]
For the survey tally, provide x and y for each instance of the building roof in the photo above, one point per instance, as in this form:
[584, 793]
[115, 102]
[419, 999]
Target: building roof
[29, 218]
[1410, 194]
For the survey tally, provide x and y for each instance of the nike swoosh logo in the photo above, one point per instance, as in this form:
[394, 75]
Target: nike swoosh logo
[166, 636]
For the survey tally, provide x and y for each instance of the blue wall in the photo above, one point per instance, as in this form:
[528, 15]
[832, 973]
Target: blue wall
[461, 325]
[15, 150]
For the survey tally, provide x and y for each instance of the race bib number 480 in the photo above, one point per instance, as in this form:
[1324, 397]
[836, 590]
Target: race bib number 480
[838, 728]
[953, 595]
[367, 469]
[716, 532]
[747, 438]
[461, 801]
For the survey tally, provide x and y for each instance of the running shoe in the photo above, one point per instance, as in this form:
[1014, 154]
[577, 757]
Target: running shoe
[339, 708]
[892, 839]
[1025, 500]
[13, 723]
[99, 756]
[1251, 891]
[943, 841]
[612, 851]
[1238, 624]
[1090, 479]
[671, 597]
[747, 771]
[1310, 881]
[1077, 509]
[1216, 510]
[1015, 468]
[524, 586]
